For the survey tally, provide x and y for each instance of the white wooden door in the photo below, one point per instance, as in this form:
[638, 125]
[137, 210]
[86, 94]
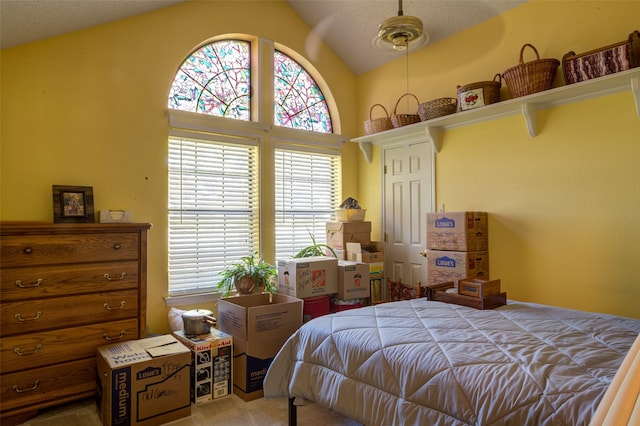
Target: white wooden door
[409, 190]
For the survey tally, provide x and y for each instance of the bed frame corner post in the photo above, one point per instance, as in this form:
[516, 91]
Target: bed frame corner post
[293, 415]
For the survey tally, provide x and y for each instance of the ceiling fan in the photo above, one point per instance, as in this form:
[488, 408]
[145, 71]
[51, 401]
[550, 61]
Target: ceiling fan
[400, 32]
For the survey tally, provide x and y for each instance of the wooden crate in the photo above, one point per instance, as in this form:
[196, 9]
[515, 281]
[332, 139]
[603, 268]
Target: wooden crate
[437, 292]
[478, 288]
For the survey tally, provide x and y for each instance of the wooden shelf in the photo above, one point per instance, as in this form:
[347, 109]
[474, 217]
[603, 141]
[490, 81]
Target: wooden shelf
[528, 106]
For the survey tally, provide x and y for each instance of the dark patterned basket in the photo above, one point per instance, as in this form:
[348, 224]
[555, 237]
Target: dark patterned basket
[530, 77]
[437, 108]
[606, 60]
[400, 120]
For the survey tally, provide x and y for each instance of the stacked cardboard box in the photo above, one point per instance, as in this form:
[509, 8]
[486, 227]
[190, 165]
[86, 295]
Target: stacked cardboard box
[372, 254]
[352, 243]
[259, 324]
[312, 279]
[457, 246]
[143, 382]
[341, 233]
[211, 364]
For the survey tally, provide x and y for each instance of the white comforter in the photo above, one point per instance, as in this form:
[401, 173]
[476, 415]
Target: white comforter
[421, 362]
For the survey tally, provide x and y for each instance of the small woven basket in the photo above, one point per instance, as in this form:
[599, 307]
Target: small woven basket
[437, 108]
[530, 77]
[375, 125]
[481, 93]
[399, 120]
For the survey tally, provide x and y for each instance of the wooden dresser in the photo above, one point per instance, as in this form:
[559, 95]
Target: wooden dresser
[65, 290]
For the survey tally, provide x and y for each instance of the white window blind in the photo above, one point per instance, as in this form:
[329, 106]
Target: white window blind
[307, 189]
[213, 210]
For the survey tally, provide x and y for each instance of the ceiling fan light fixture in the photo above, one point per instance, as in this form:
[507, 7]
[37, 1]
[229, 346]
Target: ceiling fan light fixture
[401, 32]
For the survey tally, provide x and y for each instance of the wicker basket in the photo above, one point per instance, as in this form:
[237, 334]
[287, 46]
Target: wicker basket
[400, 120]
[481, 93]
[437, 108]
[606, 60]
[530, 77]
[375, 125]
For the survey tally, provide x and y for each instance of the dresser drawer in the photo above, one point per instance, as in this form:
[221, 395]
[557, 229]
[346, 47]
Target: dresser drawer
[32, 387]
[57, 312]
[30, 250]
[32, 350]
[48, 281]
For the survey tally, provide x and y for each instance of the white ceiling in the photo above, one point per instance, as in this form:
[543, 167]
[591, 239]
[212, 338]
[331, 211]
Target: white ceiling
[347, 26]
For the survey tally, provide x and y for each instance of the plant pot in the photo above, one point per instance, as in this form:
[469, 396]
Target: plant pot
[198, 321]
[246, 285]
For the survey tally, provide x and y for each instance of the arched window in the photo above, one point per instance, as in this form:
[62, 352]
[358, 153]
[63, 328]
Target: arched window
[219, 209]
[215, 80]
[298, 101]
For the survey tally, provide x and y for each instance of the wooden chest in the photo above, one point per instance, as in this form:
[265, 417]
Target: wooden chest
[478, 288]
[65, 290]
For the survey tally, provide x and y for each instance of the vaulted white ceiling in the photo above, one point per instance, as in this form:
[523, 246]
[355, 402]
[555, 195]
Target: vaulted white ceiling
[347, 26]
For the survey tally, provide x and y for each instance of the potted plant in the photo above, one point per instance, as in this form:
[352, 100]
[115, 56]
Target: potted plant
[250, 275]
[315, 249]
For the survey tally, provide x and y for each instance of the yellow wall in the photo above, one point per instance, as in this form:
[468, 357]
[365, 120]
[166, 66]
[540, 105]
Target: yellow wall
[564, 206]
[89, 108]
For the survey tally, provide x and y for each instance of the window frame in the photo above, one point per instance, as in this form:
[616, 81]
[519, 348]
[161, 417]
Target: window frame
[193, 125]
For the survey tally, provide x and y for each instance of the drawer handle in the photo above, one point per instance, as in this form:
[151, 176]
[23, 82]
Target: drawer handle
[36, 284]
[36, 349]
[19, 317]
[28, 250]
[109, 308]
[117, 246]
[107, 337]
[35, 386]
[108, 277]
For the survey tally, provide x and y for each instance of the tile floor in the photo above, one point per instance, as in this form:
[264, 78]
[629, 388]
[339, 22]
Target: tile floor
[230, 411]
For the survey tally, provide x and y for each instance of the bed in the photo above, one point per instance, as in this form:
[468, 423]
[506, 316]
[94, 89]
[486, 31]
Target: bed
[423, 362]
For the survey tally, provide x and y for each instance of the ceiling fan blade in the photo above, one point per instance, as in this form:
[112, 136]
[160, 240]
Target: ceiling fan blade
[316, 36]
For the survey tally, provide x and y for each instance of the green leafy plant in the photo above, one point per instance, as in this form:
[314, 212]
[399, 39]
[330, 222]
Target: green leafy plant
[315, 249]
[250, 275]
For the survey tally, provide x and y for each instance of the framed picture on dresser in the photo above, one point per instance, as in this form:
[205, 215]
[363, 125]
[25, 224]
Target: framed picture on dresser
[73, 204]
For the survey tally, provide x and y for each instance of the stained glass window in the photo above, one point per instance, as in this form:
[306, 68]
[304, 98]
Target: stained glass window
[298, 101]
[215, 80]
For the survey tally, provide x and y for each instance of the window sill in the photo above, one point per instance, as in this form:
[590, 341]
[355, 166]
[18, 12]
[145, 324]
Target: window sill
[191, 299]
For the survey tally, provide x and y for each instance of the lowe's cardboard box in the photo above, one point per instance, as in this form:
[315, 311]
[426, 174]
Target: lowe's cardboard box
[211, 364]
[308, 276]
[444, 265]
[457, 231]
[143, 382]
[259, 324]
[353, 280]
[340, 233]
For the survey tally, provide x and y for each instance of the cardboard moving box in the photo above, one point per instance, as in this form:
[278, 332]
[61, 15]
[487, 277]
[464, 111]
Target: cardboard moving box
[340, 233]
[443, 265]
[353, 280]
[457, 231]
[368, 253]
[308, 276]
[143, 382]
[259, 324]
[211, 364]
